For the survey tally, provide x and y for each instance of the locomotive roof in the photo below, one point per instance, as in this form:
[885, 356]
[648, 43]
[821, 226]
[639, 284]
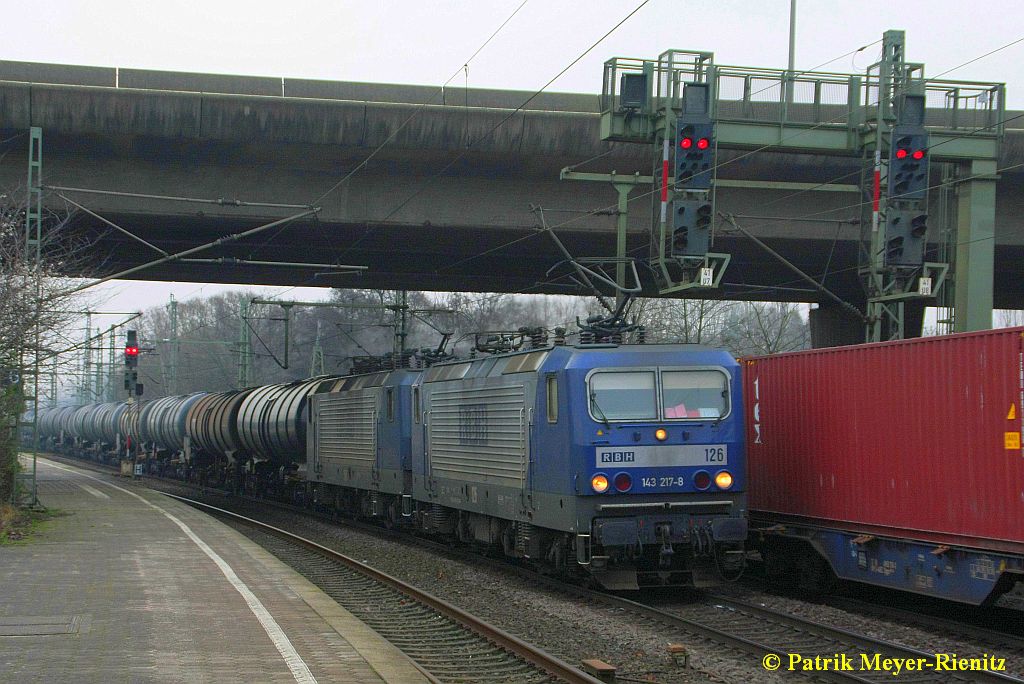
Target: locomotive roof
[578, 356]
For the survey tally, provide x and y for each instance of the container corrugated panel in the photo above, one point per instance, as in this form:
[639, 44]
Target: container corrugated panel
[917, 439]
[347, 426]
[479, 434]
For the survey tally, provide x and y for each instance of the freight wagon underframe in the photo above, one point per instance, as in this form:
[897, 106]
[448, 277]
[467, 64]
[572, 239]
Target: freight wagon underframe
[800, 553]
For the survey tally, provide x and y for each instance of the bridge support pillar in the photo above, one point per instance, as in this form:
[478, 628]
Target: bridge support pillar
[832, 326]
[975, 246]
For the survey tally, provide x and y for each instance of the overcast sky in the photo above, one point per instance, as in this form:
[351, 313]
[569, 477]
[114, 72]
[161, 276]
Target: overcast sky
[401, 41]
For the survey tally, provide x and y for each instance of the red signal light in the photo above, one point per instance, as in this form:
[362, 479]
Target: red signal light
[131, 351]
[686, 143]
[901, 154]
[918, 154]
[623, 481]
[702, 144]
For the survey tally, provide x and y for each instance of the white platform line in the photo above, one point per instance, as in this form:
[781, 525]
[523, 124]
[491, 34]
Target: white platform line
[92, 490]
[297, 666]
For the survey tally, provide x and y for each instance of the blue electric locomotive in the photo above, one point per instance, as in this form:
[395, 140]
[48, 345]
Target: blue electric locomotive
[622, 462]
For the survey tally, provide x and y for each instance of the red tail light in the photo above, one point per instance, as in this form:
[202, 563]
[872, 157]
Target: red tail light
[702, 480]
[623, 482]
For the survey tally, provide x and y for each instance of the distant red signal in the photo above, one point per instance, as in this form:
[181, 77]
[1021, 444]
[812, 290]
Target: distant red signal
[901, 153]
[702, 144]
[918, 154]
[686, 143]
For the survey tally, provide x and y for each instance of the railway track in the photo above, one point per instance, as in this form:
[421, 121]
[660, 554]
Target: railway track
[968, 629]
[742, 627]
[995, 626]
[763, 630]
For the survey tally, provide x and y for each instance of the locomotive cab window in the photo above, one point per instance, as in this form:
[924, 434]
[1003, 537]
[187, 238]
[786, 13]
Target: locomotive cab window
[623, 396]
[416, 404]
[391, 404]
[695, 393]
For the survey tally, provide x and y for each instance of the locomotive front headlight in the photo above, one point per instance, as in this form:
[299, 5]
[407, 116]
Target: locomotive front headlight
[723, 479]
[600, 483]
[661, 434]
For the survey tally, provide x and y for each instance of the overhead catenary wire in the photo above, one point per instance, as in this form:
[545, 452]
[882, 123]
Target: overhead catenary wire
[194, 250]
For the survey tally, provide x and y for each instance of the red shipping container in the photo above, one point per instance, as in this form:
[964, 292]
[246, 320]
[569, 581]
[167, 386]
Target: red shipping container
[915, 439]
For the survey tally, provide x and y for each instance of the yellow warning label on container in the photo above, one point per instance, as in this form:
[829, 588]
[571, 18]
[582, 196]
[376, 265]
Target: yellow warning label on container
[1011, 440]
[1013, 412]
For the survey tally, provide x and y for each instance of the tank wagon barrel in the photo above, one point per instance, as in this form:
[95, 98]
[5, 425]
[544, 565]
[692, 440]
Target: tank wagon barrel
[64, 420]
[128, 423]
[76, 423]
[212, 423]
[53, 420]
[93, 423]
[162, 422]
[272, 420]
[108, 421]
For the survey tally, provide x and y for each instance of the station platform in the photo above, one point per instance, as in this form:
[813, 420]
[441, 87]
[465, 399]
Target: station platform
[128, 585]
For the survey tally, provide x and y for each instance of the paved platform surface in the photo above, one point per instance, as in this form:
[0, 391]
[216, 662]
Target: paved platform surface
[131, 586]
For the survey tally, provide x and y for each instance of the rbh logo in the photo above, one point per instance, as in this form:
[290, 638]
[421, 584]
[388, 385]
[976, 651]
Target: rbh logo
[618, 456]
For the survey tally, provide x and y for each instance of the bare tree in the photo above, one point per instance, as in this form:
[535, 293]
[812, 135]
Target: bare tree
[1009, 318]
[37, 304]
[766, 328]
[684, 321]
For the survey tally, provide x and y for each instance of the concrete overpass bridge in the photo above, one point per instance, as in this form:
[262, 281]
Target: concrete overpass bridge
[444, 205]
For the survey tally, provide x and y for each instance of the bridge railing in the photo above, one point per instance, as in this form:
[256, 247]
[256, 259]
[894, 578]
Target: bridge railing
[965, 105]
[781, 97]
[820, 100]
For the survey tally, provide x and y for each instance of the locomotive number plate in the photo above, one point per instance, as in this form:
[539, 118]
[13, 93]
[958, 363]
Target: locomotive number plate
[661, 456]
